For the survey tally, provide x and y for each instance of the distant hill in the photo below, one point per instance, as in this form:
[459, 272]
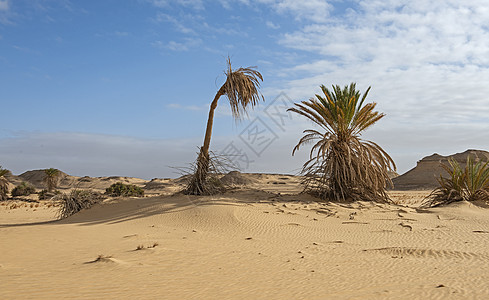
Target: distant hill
[428, 169]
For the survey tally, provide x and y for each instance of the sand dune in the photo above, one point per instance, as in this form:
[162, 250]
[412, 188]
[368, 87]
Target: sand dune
[260, 241]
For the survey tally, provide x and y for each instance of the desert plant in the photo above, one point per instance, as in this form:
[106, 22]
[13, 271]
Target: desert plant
[51, 178]
[127, 190]
[341, 165]
[242, 90]
[45, 194]
[3, 184]
[217, 166]
[23, 189]
[469, 183]
[76, 201]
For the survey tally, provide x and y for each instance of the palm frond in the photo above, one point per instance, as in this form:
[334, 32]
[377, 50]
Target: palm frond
[242, 89]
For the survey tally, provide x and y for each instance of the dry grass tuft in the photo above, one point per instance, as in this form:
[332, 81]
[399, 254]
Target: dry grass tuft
[101, 258]
[76, 201]
[206, 180]
[142, 247]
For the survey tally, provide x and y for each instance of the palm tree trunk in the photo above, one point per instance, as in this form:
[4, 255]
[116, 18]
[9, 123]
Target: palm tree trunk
[210, 122]
[197, 184]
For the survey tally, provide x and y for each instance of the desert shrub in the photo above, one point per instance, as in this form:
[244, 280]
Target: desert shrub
[23, 189]
[470, 183]
[217, 165]
[45, 194]
[3, 183]
[76, 201]
[127, 190]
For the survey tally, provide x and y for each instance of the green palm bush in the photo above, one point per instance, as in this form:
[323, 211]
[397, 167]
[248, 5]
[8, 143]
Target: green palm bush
[127, 190]
[51, 178]
[469, 183]
[3, 184]
[23, 189]
[341, 165]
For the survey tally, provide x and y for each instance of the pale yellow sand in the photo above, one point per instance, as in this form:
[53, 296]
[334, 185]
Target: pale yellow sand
[246, 244]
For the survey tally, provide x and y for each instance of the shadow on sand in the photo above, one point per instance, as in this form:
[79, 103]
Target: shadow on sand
[120, 210]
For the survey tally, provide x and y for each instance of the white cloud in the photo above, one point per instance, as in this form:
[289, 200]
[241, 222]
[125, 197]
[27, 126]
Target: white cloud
[177, 23]
[4, 5]
[312, 10]
[121, 33]
[185, 107]
[185, 45]
[272, 25]
[195, 4]
[5, 12]
[427, 62]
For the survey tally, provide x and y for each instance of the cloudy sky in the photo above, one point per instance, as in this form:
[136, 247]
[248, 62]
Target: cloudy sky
[113, 87]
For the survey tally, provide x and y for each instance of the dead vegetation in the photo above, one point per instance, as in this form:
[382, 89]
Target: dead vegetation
[75, 201]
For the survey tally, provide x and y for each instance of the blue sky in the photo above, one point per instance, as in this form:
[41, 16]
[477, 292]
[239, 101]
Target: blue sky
[123, 87]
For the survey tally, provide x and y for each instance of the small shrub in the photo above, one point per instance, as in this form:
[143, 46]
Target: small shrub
[127, 190]
[76, 201]
[45, 194]
[470, 183]
[23, 189]
[3, 183]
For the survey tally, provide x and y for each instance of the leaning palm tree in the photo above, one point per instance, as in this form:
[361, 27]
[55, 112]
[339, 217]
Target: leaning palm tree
[3, 184]
[341, 165]
[242, 90]
[51, 178]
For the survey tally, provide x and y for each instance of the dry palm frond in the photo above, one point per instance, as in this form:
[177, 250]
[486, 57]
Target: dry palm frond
[470, 183]
[216, 165]
[242, 89]
[76, 201]
[341, 165]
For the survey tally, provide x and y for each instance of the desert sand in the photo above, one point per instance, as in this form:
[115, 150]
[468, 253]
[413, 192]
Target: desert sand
[260, 240]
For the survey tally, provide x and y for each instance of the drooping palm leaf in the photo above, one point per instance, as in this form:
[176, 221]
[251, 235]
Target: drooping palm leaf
[242, 89]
